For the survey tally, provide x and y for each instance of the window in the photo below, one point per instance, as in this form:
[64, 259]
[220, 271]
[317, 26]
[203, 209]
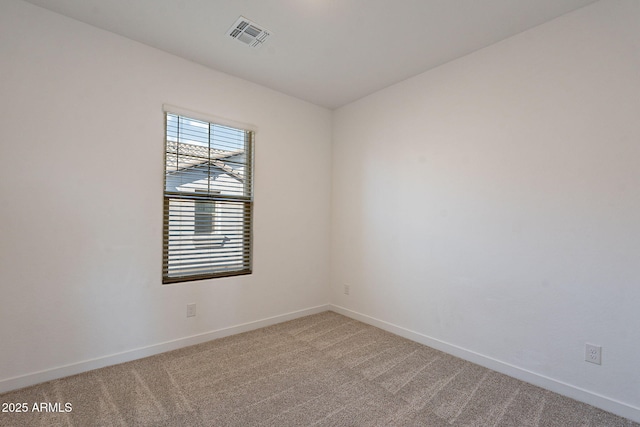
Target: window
[204, 215]
[208, 200]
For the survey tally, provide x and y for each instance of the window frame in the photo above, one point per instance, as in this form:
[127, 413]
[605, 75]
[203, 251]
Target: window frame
[244, 203]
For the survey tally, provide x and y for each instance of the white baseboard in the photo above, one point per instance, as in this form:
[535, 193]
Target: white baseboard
[577, 393]
[127, 356]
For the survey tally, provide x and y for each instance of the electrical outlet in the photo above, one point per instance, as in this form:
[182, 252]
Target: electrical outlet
[191, 310]
[346, 289]
[593, 354]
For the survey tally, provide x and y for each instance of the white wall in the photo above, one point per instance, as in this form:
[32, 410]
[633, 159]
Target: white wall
[81, 184]
[491, 206]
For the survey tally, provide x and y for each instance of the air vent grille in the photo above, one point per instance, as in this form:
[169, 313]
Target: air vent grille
[248, 32]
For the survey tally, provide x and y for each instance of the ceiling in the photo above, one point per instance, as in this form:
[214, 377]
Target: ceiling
[328, 52]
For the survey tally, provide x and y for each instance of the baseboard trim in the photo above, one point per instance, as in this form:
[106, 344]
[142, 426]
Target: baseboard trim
[610, 405]
[22, 381]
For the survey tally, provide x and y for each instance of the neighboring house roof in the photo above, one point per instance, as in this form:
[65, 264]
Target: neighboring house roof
[182, 157]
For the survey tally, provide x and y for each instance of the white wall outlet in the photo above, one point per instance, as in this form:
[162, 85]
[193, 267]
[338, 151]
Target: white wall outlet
[191, 310]
[346, 289]
[593, 354]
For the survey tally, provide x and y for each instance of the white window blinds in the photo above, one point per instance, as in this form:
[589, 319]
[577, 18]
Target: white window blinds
[208, 200]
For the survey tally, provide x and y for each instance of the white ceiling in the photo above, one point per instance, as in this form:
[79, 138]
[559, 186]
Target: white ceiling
[328, 52]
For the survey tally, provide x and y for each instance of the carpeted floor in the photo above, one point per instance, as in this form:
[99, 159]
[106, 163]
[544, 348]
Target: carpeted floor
[320, 370]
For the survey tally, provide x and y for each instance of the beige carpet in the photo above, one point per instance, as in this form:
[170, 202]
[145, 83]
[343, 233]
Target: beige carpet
[320, 370]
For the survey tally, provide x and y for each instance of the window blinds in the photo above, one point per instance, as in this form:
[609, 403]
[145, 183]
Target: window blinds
[208, 200]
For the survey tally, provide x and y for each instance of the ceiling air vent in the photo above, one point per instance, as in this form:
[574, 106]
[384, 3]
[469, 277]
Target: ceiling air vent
[248, 32]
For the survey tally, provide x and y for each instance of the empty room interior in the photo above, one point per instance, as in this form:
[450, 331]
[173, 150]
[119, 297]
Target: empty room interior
[463, 175]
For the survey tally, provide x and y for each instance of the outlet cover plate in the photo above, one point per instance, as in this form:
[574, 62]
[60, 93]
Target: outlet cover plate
[593, 354]
[191, 310]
